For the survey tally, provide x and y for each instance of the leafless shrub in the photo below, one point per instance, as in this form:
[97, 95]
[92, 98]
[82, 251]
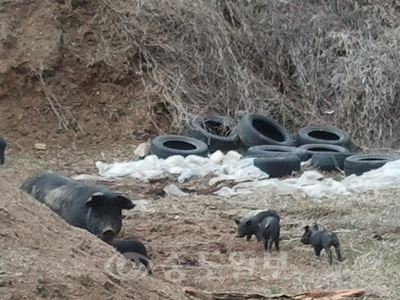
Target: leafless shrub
[301, 62]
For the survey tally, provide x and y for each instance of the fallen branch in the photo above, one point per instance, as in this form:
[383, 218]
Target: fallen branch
[329, 295]
[230, 296]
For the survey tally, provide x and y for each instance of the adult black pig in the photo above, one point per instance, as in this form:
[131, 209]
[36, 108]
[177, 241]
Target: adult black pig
[84, 205]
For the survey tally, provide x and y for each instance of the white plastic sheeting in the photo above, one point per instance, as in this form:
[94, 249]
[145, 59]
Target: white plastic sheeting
[251, 179]
[228, 166]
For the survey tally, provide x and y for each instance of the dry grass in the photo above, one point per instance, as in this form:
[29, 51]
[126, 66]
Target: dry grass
[205, 226]
[294, 61]
[196, 235]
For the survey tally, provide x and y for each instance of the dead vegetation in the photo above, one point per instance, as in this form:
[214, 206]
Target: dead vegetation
[308, 62]
[319, 62]
[192, 244]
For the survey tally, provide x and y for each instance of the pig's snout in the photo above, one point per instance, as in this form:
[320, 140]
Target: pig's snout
[108, 235]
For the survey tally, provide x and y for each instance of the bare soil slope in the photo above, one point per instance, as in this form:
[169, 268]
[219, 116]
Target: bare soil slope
[44, 257]
[49, 95]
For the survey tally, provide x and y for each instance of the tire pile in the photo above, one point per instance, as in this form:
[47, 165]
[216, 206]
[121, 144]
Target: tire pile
[272, 147]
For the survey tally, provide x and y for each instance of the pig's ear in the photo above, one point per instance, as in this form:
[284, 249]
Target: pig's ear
[95, 199]
[125, 202]
[248, 222]
[307, 228]
[315, 227]
[237, 221]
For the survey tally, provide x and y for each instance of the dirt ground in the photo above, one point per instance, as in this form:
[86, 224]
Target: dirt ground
[49, 95]
[191, 241]
[42, 257]
[85, 113]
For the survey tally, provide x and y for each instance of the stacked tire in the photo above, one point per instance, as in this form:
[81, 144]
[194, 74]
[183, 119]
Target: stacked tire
[328, 149]
[256, 129]
[168, 145]
[327, 146]
[359, 164]
[322, 135]
[270, 145]
[217, 132]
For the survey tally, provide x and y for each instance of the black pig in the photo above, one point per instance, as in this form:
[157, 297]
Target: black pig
[84, 205]
[321, 240]
[134, 250]
[249, 226]
[270, 231]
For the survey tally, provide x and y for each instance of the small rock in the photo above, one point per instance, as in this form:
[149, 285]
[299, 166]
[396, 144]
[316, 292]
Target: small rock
[163, 294]
[40, 146]
[141, 202]
[142, 150]
[173, 190]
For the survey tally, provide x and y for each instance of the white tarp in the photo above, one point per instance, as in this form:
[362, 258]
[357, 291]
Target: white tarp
[231, 167]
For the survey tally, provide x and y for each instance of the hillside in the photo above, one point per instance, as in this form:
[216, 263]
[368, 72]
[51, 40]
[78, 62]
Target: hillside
[86, 74]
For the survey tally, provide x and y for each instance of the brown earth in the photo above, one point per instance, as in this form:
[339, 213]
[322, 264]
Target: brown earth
[42, 257]
[49, 96]
[88, 112]
[191, 242]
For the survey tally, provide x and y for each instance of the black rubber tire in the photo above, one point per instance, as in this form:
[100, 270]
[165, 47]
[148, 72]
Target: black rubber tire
[322, 135]
[278, 166]
[168, 145]
[215, 131]
[315, 148]
[361, 163]
[329, 161]
[3, 146]
[273, 150]
[256, 129]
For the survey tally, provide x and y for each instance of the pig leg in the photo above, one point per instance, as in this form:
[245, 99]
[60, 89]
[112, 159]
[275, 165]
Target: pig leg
[339, 256]
[259, 236]
[277, 241]
[317, 250]
[270, 241]
[248, 237]
[266, 244]
[277, 244]
[329, 252]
